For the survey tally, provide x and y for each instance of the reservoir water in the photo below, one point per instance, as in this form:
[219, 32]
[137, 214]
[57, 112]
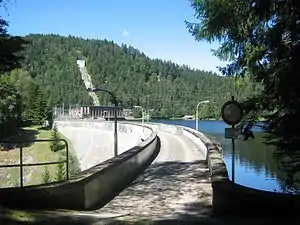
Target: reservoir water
[254, 163]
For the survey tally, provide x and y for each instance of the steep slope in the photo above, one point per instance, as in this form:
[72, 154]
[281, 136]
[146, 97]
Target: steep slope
[170, 89]
[87, 80]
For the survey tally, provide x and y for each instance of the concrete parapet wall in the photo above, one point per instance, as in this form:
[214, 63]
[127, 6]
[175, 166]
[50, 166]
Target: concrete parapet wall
[195, 136]
[127, 128]
[90, 189]
[233, 199]
[172, 129]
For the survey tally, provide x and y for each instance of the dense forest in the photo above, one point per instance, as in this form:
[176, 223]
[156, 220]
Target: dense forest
[171, 90]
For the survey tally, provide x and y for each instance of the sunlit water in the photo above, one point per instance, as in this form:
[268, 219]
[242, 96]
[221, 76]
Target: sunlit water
[254, 165]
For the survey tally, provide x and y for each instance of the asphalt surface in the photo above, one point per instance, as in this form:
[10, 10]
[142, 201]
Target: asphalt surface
[176, 184]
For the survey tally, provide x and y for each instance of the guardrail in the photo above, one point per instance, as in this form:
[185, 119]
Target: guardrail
[21, 165]
[91, 188]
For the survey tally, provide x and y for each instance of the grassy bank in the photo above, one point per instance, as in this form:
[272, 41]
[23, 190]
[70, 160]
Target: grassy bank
[37, 152]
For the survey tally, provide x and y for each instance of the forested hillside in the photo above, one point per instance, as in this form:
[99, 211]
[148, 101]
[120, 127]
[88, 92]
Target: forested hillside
[170, 89]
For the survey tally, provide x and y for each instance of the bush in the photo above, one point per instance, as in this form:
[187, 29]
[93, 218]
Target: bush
[46, 177]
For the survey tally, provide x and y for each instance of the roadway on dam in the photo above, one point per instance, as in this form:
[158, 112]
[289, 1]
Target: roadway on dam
[176, 185]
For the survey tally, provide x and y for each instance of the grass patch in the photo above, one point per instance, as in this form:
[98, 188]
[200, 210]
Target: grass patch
[37, 152]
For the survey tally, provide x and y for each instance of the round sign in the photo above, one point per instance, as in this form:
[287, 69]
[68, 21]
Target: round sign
[232, 112]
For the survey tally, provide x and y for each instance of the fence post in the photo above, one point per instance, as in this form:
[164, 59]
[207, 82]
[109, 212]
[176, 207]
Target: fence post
[67, 158]
[21, 164]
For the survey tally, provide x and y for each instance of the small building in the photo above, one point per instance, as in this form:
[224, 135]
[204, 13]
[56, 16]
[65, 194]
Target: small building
[105, 112]
[188, 117]
[80, 63]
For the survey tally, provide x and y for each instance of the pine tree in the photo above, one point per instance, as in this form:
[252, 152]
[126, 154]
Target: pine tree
[55, 145]
[261, 39]
[61, 171]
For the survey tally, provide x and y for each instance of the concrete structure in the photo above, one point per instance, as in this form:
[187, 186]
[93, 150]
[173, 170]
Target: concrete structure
[106, 112]
[231, 199]
[177, 179]
[188, 177]
[93, 141]
[92, 188]
[81, 63]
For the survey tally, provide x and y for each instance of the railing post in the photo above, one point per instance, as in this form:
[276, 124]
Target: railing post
[21, 164]
[67, 159]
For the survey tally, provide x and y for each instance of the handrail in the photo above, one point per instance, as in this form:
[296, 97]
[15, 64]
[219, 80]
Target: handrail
[21, 165]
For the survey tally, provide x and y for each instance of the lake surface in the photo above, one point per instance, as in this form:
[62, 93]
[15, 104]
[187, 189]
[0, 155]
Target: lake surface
[254, 164]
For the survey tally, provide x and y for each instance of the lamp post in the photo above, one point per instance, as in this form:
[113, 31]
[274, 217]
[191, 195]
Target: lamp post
[143, 120]
[202, 102]
[115, 116]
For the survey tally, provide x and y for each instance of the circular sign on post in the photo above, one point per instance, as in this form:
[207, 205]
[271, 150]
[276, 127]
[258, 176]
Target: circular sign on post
[232, 112]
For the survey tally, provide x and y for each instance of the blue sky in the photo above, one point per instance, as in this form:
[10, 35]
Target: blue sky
[156, 27]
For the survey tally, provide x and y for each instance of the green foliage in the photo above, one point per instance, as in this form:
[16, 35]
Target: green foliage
[60, 174]
[137, 113]
[38, 107]
[10, 108]
[170, 89]
[9, 46]
[56, 145]
[261, 38]
[15, 85]
[74, 168]
[46, 176]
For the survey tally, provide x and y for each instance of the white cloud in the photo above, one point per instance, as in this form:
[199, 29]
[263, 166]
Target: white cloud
[126, 33]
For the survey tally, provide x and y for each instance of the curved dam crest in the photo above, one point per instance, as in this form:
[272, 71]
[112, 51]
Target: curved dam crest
[93, 142]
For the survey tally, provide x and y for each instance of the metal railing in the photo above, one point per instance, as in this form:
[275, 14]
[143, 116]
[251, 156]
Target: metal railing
[21, 164]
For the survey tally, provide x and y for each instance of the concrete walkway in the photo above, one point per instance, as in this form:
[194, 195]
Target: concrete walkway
[175, 185]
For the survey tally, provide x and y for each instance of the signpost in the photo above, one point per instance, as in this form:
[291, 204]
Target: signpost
[232, 114]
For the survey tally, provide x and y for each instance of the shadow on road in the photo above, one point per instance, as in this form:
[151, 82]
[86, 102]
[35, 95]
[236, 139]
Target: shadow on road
[167, 193]
[166, 189]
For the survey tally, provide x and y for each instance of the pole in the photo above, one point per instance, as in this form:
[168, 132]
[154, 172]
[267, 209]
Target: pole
[116, 127]
[115, 116]
[197, 117]
[21, 165]
[233, 153]
[197, 113]
[143, 119]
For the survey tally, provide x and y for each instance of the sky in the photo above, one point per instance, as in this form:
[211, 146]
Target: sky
[155, 27]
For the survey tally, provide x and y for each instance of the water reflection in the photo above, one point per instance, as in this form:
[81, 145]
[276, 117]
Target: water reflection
[254, 163]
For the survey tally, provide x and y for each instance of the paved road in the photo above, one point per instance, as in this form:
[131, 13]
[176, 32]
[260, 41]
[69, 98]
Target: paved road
[176, 184]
